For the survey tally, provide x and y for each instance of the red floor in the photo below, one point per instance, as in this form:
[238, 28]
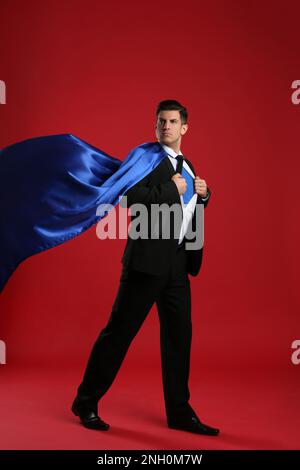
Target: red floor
[253, 411]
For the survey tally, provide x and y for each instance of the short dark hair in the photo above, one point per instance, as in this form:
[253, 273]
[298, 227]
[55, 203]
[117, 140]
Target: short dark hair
[173, 105]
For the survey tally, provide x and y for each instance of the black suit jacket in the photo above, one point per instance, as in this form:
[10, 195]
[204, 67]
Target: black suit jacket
[154, 256]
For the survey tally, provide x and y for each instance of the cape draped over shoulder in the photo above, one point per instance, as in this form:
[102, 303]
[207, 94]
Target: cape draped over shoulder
[51, 186]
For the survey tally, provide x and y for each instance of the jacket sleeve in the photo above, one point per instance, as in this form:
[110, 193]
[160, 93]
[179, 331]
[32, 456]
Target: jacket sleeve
[205, 200]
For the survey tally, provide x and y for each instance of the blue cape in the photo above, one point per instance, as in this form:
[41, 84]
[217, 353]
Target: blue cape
[50, 188]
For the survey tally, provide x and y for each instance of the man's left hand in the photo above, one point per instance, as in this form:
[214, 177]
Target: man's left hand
[200, 186]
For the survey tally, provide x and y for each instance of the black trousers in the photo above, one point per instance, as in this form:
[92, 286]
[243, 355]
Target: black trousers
[136, 295]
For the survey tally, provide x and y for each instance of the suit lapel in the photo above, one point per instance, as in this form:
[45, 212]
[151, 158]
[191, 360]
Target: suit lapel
[190, 166]
[169, 165]
[170, 168]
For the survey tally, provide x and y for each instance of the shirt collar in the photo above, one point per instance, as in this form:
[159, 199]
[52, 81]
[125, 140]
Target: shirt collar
[170, 151]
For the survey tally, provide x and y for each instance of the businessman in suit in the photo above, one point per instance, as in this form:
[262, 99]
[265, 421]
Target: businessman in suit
[155, 270]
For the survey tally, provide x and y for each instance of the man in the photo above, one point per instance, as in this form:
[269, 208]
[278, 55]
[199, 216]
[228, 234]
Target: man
[155, 270]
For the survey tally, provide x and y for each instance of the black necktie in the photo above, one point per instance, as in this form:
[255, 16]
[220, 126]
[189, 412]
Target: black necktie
[179, 159]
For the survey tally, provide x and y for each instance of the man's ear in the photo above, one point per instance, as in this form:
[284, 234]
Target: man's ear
[184, 128]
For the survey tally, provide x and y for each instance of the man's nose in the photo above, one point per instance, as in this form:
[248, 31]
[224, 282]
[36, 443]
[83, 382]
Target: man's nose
[166, 125]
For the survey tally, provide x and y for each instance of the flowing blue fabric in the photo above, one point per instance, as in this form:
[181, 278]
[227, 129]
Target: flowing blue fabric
[51, 186]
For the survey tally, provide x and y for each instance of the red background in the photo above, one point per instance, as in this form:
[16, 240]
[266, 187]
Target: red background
[97, 70]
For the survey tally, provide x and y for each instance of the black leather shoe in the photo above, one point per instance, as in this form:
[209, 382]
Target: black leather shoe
[88, 417]
[194, 425]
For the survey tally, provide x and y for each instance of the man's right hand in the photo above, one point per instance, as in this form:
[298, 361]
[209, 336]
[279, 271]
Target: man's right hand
[180, 182]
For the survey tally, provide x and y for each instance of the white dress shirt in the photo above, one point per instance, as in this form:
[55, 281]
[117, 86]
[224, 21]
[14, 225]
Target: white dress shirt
[187, 209]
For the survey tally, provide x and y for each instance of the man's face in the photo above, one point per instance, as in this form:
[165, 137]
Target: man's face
[169, 127]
